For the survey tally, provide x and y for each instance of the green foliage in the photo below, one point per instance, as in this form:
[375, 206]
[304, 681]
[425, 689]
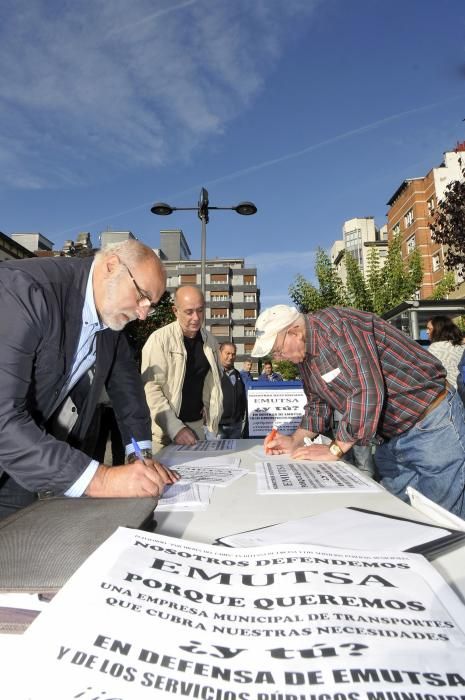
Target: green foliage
[374, 281]
[287, 369]
[444, 286]
[138, 331]
[381, 290]
[357, 288]
[330, 291]
[448, 226]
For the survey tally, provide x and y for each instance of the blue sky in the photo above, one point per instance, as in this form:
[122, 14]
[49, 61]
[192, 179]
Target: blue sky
[316, 110]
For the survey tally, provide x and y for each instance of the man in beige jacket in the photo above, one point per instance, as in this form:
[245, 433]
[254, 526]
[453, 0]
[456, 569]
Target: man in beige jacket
[181, 371]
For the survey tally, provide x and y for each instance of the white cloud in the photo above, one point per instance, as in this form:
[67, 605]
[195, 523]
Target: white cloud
[104, 84]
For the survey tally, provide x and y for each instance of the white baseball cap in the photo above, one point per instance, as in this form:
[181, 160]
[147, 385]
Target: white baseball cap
[271, 322]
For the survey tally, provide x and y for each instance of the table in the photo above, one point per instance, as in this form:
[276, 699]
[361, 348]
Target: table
[237, 508]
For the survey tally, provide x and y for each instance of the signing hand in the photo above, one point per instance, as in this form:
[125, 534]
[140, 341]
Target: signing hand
[276, 443]
[139, 479]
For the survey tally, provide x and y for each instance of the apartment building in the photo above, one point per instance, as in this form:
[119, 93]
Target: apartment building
[12, 250]
[359, 236]
[232, 295]
[411, 209]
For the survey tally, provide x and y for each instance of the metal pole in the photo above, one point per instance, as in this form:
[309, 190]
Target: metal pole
[203, 255]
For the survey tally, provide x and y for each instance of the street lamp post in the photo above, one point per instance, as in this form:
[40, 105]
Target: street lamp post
[203, 207]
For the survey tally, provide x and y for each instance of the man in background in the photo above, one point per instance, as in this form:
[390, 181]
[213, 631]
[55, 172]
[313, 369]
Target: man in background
[181, 371]
[60, 344]
[246, 371]
[234, 394]
[268, 374]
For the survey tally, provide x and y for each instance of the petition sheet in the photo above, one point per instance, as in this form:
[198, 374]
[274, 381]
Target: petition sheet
[149, 616]
[207, 446]
[307, 477]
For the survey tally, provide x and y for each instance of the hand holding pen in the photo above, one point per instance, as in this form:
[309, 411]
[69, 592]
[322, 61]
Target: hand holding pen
[170, 477]
[276, 443]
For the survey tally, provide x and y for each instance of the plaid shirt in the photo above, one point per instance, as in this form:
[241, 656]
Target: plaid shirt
[378, 378]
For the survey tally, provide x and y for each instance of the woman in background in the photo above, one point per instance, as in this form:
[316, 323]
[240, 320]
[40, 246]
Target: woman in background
[447, 344]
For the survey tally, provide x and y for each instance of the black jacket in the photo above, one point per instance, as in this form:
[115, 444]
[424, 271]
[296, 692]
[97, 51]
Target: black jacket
[234, 399]
[40, 323]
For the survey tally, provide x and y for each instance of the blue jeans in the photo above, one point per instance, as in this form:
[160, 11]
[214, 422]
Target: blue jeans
[430, 457]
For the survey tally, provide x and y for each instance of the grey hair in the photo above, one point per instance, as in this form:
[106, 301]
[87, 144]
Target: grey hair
[130, 251]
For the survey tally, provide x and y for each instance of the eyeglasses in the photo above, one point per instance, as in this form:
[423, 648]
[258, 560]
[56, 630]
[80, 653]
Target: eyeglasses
[141, 295]
[279, 351]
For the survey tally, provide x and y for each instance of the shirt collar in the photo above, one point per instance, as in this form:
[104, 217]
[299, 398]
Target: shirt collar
[89, 311]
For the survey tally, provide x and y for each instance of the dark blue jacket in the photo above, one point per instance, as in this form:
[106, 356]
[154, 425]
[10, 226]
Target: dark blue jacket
[40, 323]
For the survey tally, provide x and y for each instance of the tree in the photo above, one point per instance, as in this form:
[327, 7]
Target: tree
[381, 290]
[444, 286]
[287, 370]
[138, 331]
[448, 226]
[399, 280]
[357, 289]
[330, 291]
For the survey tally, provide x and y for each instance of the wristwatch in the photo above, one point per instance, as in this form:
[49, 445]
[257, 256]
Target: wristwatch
[336, 450]
[146, 454]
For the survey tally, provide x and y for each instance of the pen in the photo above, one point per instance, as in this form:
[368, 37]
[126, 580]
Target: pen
[270, 437]
[137, 450]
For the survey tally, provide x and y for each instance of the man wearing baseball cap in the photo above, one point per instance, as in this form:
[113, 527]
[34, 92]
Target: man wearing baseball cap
[388, 390]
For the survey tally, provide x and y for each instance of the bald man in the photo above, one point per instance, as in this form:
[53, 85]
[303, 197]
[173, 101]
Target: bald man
[60, 344]
[181, 370]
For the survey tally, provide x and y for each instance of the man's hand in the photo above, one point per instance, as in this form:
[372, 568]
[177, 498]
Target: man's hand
[185, 437]
[319, 453]
[276, 443]
[139, 479]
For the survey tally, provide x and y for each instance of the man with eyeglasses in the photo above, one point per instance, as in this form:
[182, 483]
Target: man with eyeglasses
[387, 389]
[60, 344]
[181, 370]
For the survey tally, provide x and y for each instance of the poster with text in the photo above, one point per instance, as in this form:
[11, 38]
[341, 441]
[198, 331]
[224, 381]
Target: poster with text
[275, 406]
[148, 616]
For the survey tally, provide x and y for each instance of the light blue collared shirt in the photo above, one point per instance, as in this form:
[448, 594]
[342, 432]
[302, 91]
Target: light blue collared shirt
[83, 360]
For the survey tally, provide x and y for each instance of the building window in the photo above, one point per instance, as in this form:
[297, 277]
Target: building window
[408, 218]
[219, 313]
[416, 295]
[219, 330]
[411, 245]
[436, 262]
[188, 279]
[249, 332]
[396, 229]
[249, 298]
[218, 279]
[250, 313]
[219, 296]
[249, 279]
[248, 347]
[431, 206]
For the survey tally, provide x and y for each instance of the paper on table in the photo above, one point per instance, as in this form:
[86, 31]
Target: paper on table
[215, 476]
[342, 527]
[434, 511]
[207, 446]
[307, 477]
[222, 460]
[259, 450]
[186, 496]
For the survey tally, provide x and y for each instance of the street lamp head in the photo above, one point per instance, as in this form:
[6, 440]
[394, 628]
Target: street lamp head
[162, 209]
[245, 208]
